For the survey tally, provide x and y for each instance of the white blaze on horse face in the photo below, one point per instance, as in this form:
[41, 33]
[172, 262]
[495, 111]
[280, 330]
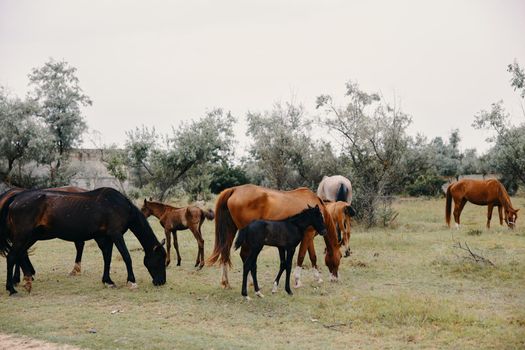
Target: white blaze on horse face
[297, 277]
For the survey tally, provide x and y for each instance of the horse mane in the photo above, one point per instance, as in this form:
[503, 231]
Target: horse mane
[504, 197]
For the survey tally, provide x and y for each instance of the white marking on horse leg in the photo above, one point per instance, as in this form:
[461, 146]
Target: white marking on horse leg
[76, 270]
[317, 275]
[259, 294]
[333, 278]
[275, 287]
[224, 277]
[457, 226]
[132, 285]
[110, 285]
[297, 277]
[247, 298]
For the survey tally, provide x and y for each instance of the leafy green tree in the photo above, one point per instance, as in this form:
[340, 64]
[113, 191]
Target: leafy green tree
[374, 140]
[518, 77]
[226, 175]
[282, 148]
[57, 93]
[22, 137]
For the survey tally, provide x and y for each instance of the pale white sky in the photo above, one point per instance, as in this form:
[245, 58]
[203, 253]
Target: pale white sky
[157, 62]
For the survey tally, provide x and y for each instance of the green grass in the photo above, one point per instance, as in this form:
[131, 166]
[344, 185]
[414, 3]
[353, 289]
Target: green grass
[404, 287]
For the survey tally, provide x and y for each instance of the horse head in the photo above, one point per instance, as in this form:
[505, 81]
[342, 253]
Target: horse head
[317, 220]
[512, 216]
[155, 262]
[146, 210]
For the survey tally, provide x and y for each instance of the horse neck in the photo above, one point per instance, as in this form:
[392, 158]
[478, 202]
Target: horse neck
[504, 198]
[142, 230]
[300, 220]
[157, 209]
[330, 238]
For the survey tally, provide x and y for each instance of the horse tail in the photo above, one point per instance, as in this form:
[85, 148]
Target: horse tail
[448, 207]
[342, 193]
[208, 214]
[224, 230]
[241, 238]
[5, 242]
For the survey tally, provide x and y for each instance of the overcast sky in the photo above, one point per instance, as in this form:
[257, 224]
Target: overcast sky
[157, 62]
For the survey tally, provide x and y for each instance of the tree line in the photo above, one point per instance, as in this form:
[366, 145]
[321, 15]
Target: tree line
[368, 143]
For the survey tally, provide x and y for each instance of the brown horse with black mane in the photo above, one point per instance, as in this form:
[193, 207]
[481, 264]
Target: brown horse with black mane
[173, 219]
[342, 213]
[480, 192]
[103, 214]
[238, 206]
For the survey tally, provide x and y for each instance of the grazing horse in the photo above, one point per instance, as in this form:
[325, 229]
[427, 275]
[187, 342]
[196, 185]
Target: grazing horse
[481, 192]
[78, 245]
[342, 213]
[237, 206]
[335, 188]
[173, 219]
[103, 214]
[285, 235]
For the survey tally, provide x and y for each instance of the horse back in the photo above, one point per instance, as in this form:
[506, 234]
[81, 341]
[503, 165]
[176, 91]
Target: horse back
[480, 192]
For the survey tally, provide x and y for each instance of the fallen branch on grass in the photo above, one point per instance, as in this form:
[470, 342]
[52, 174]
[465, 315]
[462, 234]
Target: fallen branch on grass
[473, 256]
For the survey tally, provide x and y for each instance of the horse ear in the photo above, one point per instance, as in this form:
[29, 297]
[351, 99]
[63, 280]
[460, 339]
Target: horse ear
[144, 200]
[308, 205]
[150, 199]
[517, 210]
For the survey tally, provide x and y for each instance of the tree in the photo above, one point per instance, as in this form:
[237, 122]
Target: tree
[508, 153]
[193, 147]
[281, 145]
[59, 98]
[518, 77]
[22, 137]
[374, 140]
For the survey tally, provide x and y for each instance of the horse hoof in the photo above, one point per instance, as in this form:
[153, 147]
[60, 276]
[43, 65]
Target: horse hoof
[76, 270]
[298, 284]
[13, 293]
[132, 285]
[333, 278]
[110, 285]
[225, 285]
[290, 293]
[247, 298]
[274, 288]
[259, 294]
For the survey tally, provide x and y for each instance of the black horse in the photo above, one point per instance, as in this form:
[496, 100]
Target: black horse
[285, 234]
[103, 214]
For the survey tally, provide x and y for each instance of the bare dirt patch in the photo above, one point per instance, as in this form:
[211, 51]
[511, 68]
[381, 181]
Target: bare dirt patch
[13, 342]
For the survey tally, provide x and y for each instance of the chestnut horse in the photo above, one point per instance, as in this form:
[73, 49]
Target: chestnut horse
[237, 206]
[173, 219]
[103, 214]
[480, 192]
[342, 213]
[335, 188]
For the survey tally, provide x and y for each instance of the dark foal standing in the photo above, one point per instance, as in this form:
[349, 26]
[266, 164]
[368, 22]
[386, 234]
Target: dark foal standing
[285, 235]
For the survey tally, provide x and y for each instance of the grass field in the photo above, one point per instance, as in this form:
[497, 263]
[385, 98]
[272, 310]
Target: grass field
[403, 287]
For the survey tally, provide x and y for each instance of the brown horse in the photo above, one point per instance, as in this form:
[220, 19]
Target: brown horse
[103, 214]
[335, 188]
[173, 219]
[238, 206]
[341, 213]
[78, 245]
[480, 192]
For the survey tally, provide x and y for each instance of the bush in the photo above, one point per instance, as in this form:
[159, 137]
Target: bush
[426, 185]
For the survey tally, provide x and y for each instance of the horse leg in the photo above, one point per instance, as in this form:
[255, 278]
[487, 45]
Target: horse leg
[118, 239]
[346, 239]
[200, 242]
[254, 274]
[290, 252]
[282, 267]
[79, 245]
[244, 253]
[176, 246]
[167, 232]
[489, 213]
[457, 210]
[500, 214]
[313, 259]
[300, 259]
[106, 246]
[11, 259]
[246, 268]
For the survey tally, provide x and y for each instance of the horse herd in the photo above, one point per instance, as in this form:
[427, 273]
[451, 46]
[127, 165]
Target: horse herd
[261, 216]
